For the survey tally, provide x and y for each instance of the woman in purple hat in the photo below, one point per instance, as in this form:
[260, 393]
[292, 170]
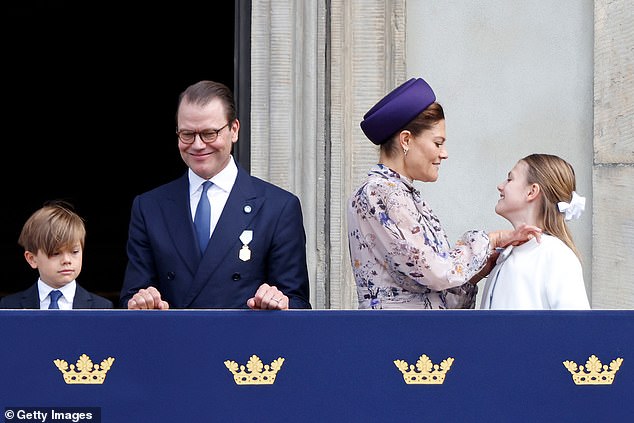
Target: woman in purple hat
[400, 254]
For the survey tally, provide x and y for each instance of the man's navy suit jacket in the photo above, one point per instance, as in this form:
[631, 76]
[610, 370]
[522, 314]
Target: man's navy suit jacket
[30, 298]
[163, 251]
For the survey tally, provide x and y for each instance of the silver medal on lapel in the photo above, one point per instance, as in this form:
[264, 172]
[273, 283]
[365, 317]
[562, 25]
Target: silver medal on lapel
[245, 253]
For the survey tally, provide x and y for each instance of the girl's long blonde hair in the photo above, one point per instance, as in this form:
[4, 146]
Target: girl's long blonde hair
[556, 178]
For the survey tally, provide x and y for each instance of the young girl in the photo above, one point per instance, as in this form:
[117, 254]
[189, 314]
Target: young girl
[540, 191]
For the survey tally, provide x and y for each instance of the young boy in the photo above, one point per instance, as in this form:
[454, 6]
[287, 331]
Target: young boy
[53, 241]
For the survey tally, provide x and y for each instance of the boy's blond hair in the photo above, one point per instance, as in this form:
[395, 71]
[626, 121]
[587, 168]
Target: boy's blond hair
[52, 228]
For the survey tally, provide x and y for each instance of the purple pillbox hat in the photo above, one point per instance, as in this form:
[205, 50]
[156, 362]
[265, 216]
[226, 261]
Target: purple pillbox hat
[397, 109]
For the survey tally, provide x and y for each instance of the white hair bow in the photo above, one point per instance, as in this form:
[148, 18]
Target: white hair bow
[574, 208]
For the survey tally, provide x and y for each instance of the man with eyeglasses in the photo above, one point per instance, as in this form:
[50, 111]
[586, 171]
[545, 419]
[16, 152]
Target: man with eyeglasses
[216, 237]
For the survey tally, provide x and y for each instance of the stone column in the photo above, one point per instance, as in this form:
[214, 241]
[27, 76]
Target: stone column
[316, 67]
[613, 169]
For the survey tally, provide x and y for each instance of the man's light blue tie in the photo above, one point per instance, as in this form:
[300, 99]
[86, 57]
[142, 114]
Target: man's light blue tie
[55, 294]
[202, 218]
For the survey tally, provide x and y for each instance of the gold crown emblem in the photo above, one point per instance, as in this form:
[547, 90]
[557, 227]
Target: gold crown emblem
[425, 372]
[84, 372]
[255, 373]
[594, 373]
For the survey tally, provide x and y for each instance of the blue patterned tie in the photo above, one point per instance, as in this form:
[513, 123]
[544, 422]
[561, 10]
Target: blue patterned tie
[55, 294]
[202, 218]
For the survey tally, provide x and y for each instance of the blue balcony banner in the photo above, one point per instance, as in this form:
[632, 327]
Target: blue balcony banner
[316, 366]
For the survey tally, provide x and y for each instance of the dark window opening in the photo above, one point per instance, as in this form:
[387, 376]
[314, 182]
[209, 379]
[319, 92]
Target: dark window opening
[90, 93]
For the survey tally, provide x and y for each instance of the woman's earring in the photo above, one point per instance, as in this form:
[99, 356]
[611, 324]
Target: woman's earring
[405, 150]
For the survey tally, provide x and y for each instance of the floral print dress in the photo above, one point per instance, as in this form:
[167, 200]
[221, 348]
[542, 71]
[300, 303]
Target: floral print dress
[401, 257]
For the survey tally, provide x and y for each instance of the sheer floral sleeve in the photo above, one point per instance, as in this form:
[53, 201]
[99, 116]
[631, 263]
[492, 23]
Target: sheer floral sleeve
[393, 231]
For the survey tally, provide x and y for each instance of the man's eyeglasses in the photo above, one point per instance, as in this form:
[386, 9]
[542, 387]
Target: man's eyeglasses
[208, 135]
